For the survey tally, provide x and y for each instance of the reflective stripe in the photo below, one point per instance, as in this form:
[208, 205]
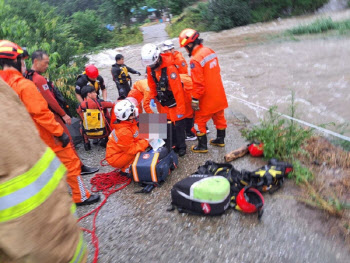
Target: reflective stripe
[24, 193]
[73, 210]
[153, 168]
[134, 169]
[80, 251]
[114, 136]
[208, 58]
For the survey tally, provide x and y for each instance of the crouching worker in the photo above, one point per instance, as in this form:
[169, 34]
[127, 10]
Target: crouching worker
[95, 116]
[124, 142]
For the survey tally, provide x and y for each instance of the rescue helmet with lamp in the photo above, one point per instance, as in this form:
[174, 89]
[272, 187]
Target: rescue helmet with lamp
[249, 200]
[11, 54]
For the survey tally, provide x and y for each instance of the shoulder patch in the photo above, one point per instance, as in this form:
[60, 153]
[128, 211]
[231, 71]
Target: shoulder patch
[173, 75]
[183, 63]
[77, 87]
[45, 87]
[192, 65]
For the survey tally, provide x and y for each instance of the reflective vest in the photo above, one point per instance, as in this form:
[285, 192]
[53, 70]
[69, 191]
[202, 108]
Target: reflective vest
[24, 193]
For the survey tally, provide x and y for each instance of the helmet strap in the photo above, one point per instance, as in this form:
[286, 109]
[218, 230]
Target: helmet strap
[198, 41]
[157, 64]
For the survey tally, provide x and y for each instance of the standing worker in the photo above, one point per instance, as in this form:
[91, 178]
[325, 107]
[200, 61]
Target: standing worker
[179, 60]
[51, 132]
[40, 63]
[165, 85]
[36, 220]
[121, 76]
[208, 94]
[90, 77]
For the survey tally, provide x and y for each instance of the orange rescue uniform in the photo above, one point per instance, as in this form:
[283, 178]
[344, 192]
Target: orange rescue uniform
[180, 62]
[48, 128]
[123, 145]
[141, 92]
[207, 88]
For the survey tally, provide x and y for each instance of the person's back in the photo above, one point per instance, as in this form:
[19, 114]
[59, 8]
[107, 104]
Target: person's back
[26, 234]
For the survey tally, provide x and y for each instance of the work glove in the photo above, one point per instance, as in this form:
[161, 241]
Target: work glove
[195, 104]
[138, 72]
[153, 104]
[64, 139]
[180, 116]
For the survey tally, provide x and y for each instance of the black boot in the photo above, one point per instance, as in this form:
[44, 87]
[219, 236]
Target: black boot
[180, 136]
[87, 146]
[202, 144]
[220, 138]
[88, 170]
[92, 199]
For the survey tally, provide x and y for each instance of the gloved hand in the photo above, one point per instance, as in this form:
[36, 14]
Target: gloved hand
[195, 104]
[180, 116]
[138, 72]
[64, 139]
[153, 104]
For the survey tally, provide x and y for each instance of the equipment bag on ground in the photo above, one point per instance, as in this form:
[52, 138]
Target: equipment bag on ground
[202, 195]
[153, 167]
[93, 122]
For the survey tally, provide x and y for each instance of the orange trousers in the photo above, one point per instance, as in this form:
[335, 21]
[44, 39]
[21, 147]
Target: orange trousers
[72, 162]
[201, 121]
[123, 162]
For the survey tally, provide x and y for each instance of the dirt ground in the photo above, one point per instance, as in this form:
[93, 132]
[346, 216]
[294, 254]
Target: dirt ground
[259, 69]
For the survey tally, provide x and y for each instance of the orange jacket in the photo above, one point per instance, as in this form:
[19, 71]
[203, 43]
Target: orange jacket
[124, 143]
[141, 93]
[37, 107]
[180, 62]
[188, 87]
[207, 83]
[174, 83]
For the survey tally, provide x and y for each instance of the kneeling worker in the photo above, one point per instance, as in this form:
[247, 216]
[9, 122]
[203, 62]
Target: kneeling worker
[124, 142]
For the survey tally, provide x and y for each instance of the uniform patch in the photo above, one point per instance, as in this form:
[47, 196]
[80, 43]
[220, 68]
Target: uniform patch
[45, 87]
[192, 65]
[173, 75]
[183, 64]
[77, 87]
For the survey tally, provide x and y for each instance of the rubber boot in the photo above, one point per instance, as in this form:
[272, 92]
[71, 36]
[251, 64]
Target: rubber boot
[202, 144]
[180, 136]
[220, 138]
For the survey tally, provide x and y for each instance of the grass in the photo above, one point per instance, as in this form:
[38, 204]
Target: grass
[322, 25]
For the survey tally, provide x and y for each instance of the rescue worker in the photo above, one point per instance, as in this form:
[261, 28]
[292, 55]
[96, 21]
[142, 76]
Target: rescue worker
[36, 220]
[121, 76]
[179, 60]
[40, 63]
[181, 64]
[124, 142]
[208, 94]
[140, 91]
[166, 87]
[91, 102]
[51, 132]
[90, 77]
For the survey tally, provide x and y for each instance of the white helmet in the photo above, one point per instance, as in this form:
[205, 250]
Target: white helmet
[167, 45]
[124, 109]
[150, 54]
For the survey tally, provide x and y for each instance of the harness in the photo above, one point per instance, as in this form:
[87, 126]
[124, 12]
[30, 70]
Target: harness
[95, 84]
[124, 75]
[165, 96]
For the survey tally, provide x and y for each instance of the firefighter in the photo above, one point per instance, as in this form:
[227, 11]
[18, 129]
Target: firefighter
[36, 220]
[124, 142]
[166, 87]
[208, 94]
[40, 63]
[51, 132]
[121, 76]
[140, 91]
[179, 60]
[90, 77]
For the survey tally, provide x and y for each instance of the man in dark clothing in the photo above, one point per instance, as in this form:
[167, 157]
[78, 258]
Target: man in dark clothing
[90, 77]
[121, 77]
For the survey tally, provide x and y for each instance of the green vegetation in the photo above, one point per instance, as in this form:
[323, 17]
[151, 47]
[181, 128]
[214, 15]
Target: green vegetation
[321, 26]
[218, 15]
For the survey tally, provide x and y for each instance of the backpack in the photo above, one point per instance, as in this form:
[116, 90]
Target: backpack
[153, 167]
[201, 194]
[93, 121]
[56, 92]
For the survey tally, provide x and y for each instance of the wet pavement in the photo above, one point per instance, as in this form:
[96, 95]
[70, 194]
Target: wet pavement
[137, 228]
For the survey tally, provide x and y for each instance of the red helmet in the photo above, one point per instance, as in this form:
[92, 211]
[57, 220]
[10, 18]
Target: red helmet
[10, 50]
[249, 200]
[256, 150]
[91, 71]
[187, 36]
